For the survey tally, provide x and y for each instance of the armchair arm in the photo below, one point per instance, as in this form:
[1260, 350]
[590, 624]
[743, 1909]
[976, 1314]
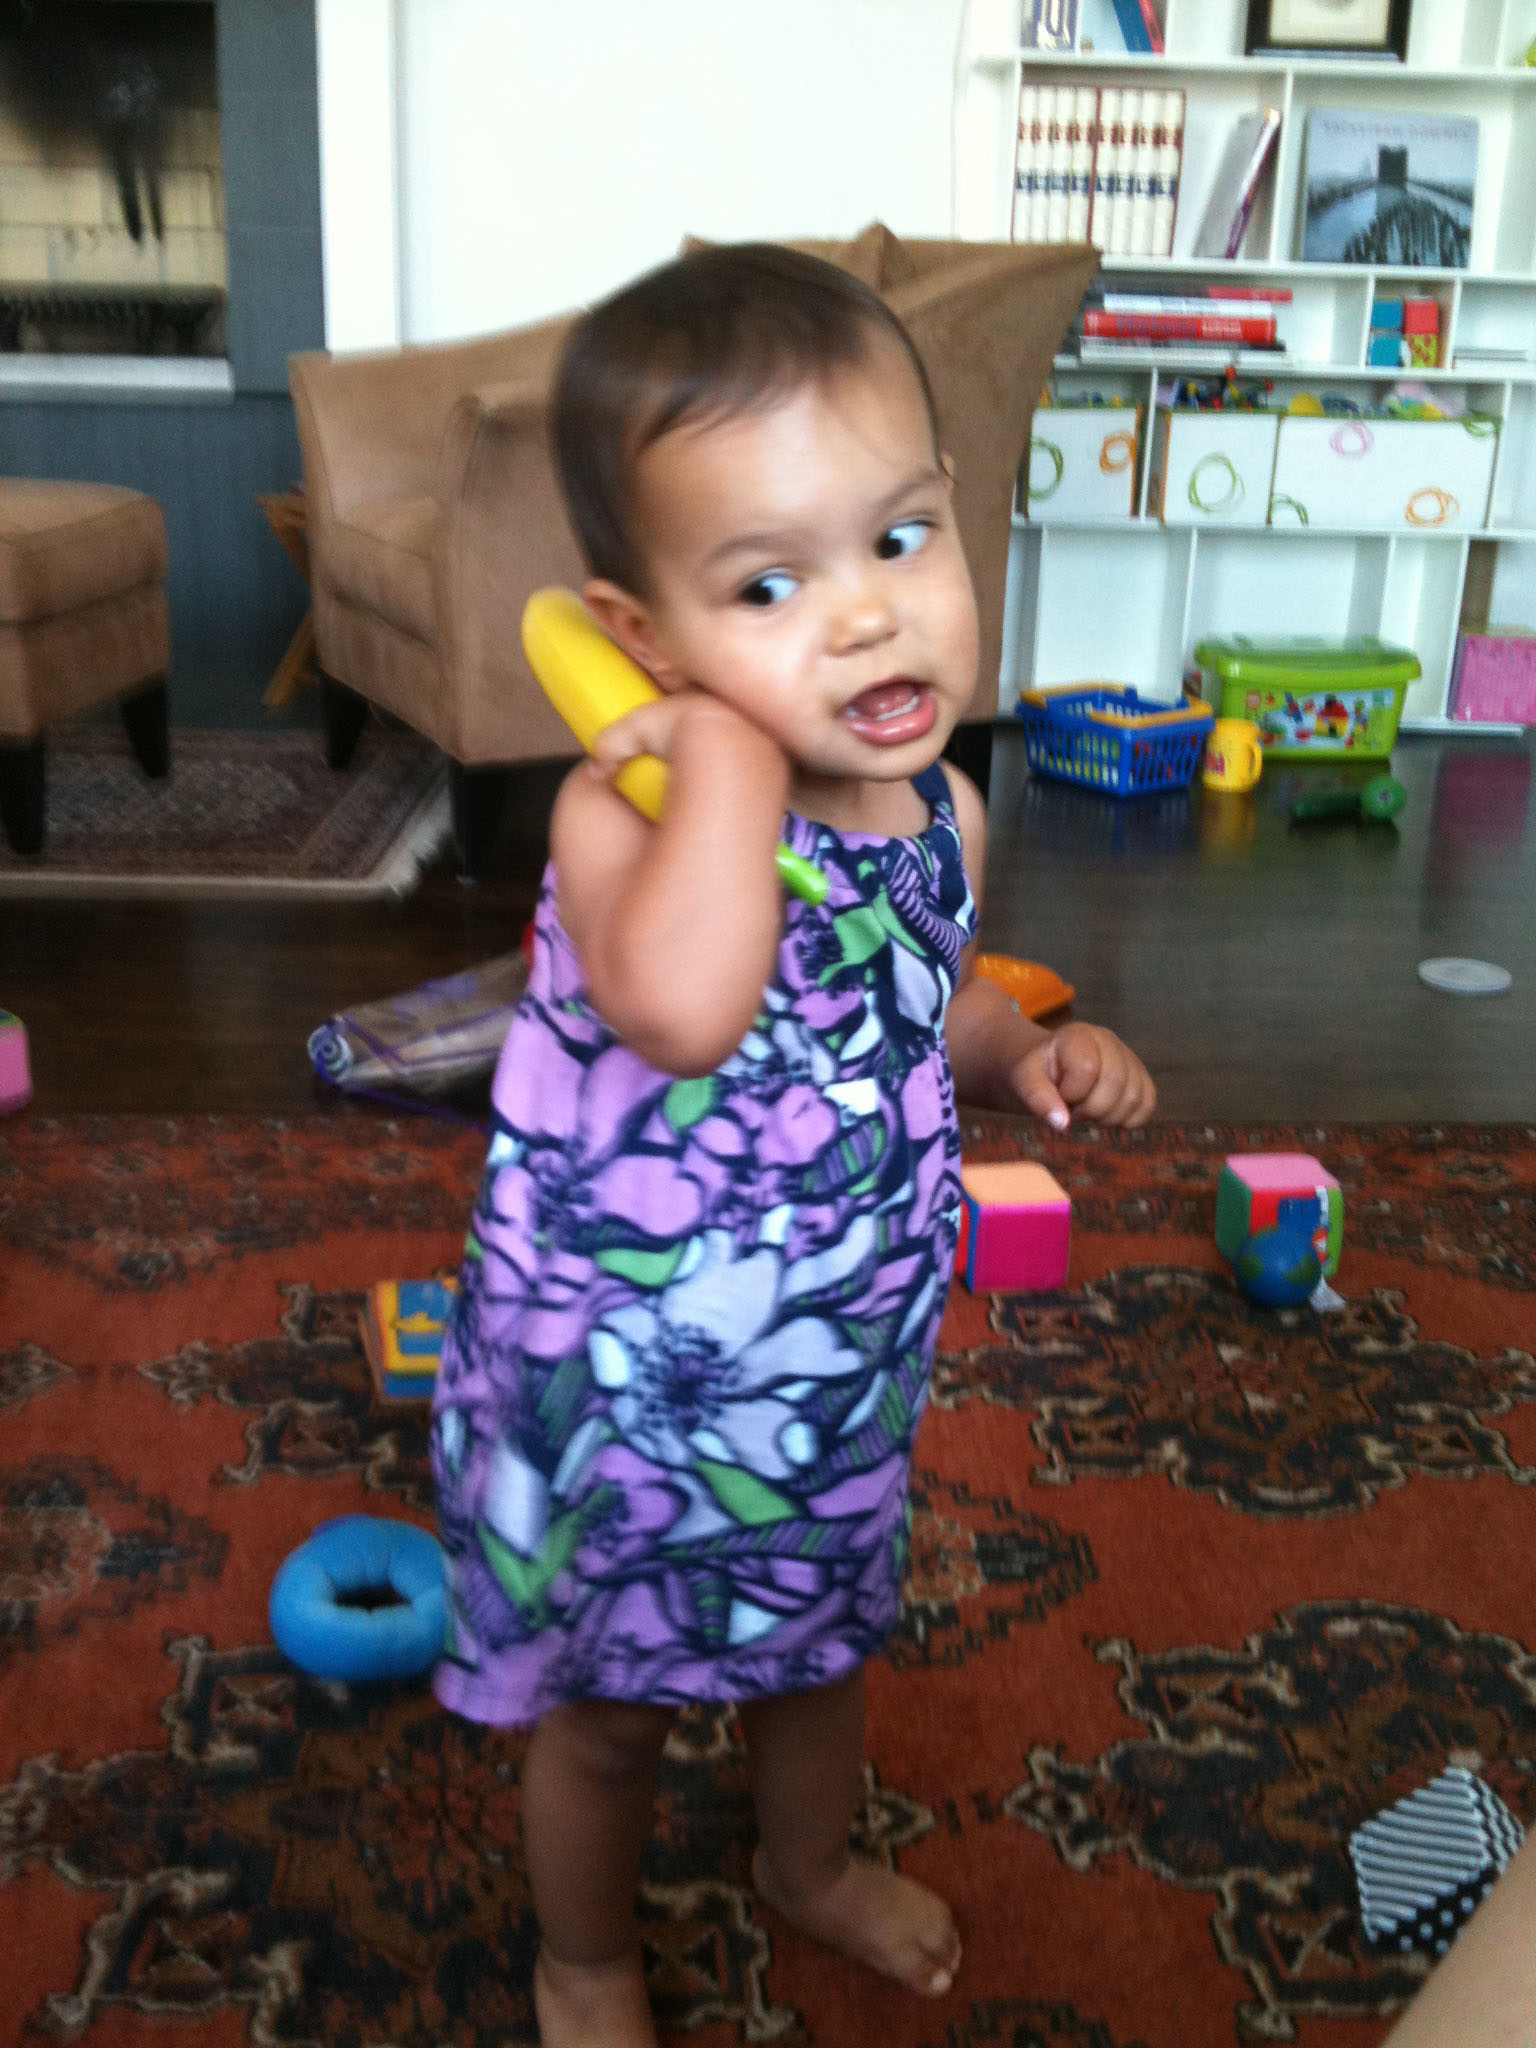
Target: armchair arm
[503, 533]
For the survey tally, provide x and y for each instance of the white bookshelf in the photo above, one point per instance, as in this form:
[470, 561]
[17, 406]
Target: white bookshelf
[1176, 585]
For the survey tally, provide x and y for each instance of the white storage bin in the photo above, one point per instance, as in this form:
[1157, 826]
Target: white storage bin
[1416, 474]
[1082, 462]
[1212, 468]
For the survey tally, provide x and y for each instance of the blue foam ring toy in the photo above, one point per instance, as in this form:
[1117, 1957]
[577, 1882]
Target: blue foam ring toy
[361, 1554]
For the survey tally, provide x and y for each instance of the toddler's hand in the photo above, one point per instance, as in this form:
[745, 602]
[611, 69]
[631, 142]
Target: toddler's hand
[656, 728]
[1083, 1066]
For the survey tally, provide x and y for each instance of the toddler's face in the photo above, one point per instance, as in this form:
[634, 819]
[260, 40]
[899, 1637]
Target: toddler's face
[804, 565]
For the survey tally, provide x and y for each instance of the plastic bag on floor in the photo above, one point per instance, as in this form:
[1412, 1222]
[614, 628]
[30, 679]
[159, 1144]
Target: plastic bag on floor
[429, 1041]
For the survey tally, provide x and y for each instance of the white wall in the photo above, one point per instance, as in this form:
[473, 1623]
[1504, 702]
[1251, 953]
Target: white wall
[549, 149]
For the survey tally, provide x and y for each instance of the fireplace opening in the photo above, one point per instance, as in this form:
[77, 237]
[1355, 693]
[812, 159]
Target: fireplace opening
[112, 224]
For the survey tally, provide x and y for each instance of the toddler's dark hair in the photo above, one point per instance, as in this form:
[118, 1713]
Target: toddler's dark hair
[713, 333]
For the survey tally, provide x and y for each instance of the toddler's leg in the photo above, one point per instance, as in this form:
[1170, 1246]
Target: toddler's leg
[806, 1752]
[588, 1793]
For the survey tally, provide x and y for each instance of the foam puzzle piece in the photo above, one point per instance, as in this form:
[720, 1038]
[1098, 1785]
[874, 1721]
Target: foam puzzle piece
[1015, 1227]
[1254, 1184]
[1424, 1865]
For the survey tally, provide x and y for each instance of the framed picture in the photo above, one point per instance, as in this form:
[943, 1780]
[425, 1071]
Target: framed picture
[1328, 28]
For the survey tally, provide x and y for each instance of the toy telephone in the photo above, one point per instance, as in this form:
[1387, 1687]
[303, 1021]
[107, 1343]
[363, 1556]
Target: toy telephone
[591, 682]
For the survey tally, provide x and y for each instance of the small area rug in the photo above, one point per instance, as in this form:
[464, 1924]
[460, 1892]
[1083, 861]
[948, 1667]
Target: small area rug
[254, 814]
[1195, 1588]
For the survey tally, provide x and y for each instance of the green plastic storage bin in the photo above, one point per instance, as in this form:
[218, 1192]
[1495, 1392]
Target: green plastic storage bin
[1311, 699]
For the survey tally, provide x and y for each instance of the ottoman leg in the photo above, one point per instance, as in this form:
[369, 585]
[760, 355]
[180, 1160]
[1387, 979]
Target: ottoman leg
[22, 783]
[345, 713]
[145, 719]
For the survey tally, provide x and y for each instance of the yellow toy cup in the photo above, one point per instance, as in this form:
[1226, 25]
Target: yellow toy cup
[1234, 757]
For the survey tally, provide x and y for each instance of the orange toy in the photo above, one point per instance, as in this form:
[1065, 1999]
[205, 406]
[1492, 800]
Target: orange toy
[1034, 989]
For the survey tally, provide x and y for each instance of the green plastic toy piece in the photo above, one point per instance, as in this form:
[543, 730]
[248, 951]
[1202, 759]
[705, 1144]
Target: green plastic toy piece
[1379, 799]
[799, 876]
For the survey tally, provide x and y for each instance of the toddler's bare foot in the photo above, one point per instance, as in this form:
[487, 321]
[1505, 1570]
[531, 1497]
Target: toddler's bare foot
[598, 2006]
[899, 1928]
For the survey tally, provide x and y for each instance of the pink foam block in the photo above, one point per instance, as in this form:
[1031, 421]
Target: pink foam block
[15, 1074]
[1015, 1228]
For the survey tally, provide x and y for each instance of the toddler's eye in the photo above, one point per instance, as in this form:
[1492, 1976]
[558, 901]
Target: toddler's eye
[773, 588]
[903, 539]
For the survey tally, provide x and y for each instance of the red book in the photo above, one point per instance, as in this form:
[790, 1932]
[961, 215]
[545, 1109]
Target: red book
[1275, 294]
[1256, 327]
[1154, 27]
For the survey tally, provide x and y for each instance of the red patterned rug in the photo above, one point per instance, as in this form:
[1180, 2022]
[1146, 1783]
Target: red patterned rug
[253, 814]
[1196, 1588]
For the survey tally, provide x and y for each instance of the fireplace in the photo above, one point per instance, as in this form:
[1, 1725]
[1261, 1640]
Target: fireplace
[112, 218]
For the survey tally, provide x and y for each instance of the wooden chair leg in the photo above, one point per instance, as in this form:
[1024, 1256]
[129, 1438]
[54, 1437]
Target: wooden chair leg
[345, 714]
[478, 797]
[144, 716]
[23, 782]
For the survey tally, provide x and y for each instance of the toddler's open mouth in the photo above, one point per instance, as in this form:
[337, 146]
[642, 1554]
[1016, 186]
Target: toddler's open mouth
[889, 714]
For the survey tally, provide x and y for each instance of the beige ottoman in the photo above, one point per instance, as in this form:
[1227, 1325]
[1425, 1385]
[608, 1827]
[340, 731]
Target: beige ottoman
[83, 619]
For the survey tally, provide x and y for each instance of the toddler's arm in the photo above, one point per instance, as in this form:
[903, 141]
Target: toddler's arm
[1001, 1060]
[677, 923]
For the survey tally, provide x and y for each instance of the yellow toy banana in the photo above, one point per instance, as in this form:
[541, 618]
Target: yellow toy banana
[591, 682]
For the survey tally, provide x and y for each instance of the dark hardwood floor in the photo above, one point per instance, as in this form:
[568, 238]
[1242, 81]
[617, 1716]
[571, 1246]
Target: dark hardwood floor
[1264, 970]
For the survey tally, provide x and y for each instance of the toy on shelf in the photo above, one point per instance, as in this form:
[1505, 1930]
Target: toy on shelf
[1015, 1228]
[403, 1323]
[1109, 737]
[1376, 801]
[1280, 1221]
[592, 683]
[1234, 755]
[15, 1071]
[1033, 990]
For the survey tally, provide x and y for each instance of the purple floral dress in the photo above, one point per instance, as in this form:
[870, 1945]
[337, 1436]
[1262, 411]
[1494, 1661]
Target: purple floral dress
[693, 1334]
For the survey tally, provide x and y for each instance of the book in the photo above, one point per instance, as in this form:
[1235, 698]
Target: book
[1058, 136]
[402, 1326]
[1025, 169]
[1183, 354]
[1388, 188]
[1140, 27]
[1168, 149]
[1138, 239]
[1159, 302]
[1179, 327]
[1105, 165]
[1085, 127]
[1132, 26]
[1049, 25]
[1249, 149]
[1122, 174]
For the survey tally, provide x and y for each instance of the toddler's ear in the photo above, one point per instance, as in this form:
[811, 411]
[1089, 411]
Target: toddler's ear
[625, 619]
[947, 464]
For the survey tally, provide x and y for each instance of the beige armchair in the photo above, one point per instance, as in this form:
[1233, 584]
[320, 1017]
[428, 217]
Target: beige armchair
[434, 509]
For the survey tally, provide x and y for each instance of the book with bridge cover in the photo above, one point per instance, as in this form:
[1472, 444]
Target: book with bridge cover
[1388, 188]
[1239, 175]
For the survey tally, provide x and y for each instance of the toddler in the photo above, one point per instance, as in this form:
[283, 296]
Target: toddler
[717, 1224]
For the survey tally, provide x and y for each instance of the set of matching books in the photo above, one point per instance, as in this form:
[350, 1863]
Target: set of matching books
[1099, 164]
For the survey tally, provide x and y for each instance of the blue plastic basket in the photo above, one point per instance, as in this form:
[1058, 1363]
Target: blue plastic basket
[1109, 737]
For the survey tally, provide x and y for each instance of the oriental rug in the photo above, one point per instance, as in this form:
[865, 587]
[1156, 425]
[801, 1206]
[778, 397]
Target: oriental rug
[241, 814]
[1195, 1588]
